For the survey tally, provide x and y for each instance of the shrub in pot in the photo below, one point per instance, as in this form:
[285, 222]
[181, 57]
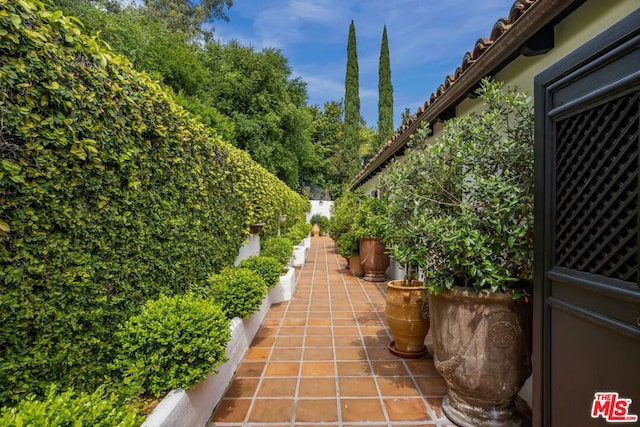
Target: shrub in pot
[266, 267]
[348, 248]
[320, 224]
[343, 214]
[279, 248]
[239, 291]
[475, 221]
[175, 342]
[71, 408]
[369, 226]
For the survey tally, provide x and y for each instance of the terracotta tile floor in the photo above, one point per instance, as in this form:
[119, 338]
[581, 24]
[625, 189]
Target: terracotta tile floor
[321, 359]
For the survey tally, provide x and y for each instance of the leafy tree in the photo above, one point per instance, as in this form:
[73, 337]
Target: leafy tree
[188, 16]
[348, 153]
[385, 93]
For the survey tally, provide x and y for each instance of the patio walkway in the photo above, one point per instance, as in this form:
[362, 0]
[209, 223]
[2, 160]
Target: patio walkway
[322, 359]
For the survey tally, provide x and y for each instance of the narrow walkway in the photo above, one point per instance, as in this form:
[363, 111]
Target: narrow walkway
[322, 359]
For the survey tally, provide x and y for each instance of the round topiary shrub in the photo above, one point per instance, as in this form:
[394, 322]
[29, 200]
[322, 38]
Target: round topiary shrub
[175, 342]
[279, 248]
[239, 291]
[61, 409]
[298, 232]
[266, 267]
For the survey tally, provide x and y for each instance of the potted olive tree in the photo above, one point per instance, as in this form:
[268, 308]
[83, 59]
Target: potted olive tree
[475, 226]
[406, 302]
[369, 226]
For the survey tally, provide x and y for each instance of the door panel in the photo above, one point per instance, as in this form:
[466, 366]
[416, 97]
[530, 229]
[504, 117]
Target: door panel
[587, 293]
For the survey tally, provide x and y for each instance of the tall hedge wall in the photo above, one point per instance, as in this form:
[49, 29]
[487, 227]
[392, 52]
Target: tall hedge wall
[110, 194]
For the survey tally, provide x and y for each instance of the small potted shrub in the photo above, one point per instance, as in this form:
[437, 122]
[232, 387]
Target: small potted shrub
[175, 342]
[266, 267]
[476, 232]
[343, 214]
[279, 248]
[348, 248]
[369, 227]
[239, 291]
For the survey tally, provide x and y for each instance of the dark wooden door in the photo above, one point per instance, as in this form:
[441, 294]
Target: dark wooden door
[587, 294]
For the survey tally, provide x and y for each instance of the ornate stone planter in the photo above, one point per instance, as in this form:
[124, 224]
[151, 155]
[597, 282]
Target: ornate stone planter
[482, 348]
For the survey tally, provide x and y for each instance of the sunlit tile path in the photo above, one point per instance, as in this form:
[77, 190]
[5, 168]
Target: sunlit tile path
[322, 359]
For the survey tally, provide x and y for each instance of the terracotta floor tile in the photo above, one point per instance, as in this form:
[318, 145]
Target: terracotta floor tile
[289, 341]
[358, 387]
[318, 341]
[297, 314]
[231, 411]
[350, 369]
[389, 368]
[267, 332]
[318, 330]
[376, 341]
[381, 353]
[274, 315]
[422, 367]
[361, 410]
[242, 387]
[397, 386]
[286, 353]
[277, 387]
[432, 386]
[318, 369]
[314, 410]
[258, 353]
[317, 387]
[342, 315]
[375, 331]
[319, 322]
[318, 353]
[344, 322]
[263, 342]
[282, 369]
[349, 353]
[271, 410]
[250, 369]
[348, 341]
[294, 321]
[345, 331]
[271, 322]
[407, 409]
[288, 331]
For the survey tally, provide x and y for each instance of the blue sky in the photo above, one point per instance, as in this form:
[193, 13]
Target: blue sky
[427, 40]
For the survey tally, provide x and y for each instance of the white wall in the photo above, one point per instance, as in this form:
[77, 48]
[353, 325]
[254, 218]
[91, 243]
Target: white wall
[321, 207]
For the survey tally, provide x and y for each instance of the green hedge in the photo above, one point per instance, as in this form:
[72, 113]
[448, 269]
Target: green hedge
[110, 195]
[69, 408]
[279, 248]
[266, 267]
[239, 291]
[175, 342]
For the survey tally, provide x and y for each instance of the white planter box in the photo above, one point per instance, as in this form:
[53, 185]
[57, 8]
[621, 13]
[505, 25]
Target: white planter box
[299, 256]
[190, 408]
[306, 242]
[283, 291]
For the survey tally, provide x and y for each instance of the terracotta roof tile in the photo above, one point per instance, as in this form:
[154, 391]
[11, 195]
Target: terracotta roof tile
[502, 26]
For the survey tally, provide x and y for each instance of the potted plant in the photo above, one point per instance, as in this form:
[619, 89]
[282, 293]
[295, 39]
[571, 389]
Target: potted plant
[475, 224]
[406, 302]
[343, 213]
[369, 227]
[320, 223]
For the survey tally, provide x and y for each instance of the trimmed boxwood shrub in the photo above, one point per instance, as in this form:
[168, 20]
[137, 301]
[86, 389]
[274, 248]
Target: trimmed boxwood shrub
[68, 408]
[110, 195]
[239, 291]
[266, 267]
[175, 342]
[298, 232]
[279, 248]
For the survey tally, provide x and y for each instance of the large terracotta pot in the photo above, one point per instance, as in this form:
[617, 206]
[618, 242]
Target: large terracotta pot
[315, 230]
[404, 309]
[482, 348]
[355, 266]
[374, 259]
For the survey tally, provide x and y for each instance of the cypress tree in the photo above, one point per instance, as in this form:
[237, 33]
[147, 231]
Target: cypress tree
[351, 109]
[385, 93]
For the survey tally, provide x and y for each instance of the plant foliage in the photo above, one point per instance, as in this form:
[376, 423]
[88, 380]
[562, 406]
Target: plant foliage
[266, 267]
[279, 248]
[110, 195]
[239, 291]
[70, 408]
[175, 342]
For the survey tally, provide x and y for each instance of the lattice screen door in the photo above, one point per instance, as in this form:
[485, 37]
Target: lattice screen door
[587, 294]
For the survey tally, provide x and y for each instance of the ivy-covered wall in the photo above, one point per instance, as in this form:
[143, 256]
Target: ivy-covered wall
[110, 194]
